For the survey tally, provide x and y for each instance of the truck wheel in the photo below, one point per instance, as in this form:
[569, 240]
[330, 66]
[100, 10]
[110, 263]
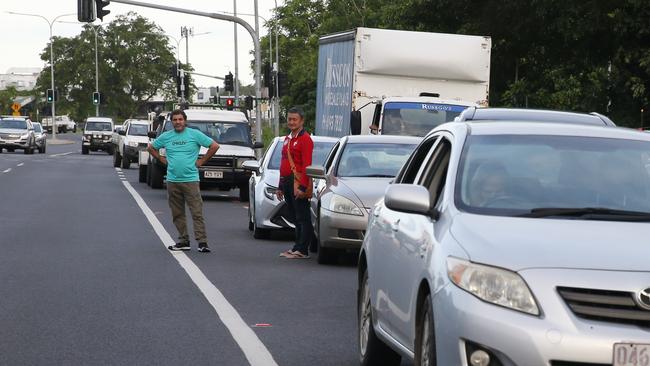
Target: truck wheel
[74, 129]
[142, 173]
[156, 177]
[65, 129]
[84, 150]
[244, 193]
[126, 164]
[117, 160]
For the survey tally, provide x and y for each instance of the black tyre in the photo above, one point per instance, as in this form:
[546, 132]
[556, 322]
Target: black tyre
[325, 255]
[156, 177]
[10, 150]
[259, 233]
[126, 164]
[27, 151]
[250, 218]
[244, 193]
[149, 173]
[43, 149]
[84, 150]
[372, 351]
[142, 173]
[117, 159]
[110, 151]
[425, 343]
[74, 129]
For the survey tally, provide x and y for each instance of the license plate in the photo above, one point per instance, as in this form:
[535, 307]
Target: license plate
[630, 354]
[211, 174]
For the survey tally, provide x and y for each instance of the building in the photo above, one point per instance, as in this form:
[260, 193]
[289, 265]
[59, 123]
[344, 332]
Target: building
[22, 78]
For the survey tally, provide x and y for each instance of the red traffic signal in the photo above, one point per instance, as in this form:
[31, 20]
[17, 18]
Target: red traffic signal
[230, 103]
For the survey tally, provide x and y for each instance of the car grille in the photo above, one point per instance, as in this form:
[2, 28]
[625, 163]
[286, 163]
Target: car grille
[221, 162]
[142, 144]
[6, 136]
[605, 305]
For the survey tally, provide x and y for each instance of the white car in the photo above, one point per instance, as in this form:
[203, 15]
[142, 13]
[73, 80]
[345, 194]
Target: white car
[129, 141]
[97, 135]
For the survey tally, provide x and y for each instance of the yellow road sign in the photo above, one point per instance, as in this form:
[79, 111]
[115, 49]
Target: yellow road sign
[15, 107]
[15, 113]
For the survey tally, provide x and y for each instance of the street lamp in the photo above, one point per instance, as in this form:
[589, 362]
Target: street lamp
[50, 23]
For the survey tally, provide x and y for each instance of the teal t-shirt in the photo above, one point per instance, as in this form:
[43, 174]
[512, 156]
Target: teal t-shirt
[181, 150]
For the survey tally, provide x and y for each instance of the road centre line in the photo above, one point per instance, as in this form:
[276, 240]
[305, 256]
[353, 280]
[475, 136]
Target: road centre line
[63, 154]
[21, 164]
[254, 350]
[6, 171]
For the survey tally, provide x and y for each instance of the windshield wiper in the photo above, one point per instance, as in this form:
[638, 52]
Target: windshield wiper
[592, 213]
[238, 143]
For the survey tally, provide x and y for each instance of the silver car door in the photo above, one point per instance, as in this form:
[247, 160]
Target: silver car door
[385, 255]
[321, 184]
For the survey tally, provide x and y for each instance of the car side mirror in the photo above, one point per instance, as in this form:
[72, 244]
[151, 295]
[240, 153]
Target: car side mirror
[410, 198]
[151, 134]
[315, 171]
[251, 165]
[258, 145]
[121, 133]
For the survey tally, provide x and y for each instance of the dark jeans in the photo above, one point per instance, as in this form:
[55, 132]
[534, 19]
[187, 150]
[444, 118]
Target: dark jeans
[299, 209]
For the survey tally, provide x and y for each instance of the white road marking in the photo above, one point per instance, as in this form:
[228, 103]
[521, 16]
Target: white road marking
[21, 164]
[6, 171]
[255, 351]
[118, 169]
[63, 154]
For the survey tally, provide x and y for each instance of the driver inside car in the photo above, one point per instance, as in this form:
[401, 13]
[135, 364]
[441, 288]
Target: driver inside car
[488, 184]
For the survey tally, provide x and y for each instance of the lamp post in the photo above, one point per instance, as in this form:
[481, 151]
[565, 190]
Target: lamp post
[50, 23]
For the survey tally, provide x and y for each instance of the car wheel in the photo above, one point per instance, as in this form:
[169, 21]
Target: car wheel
[425, 344]
[74, 129]
[260, 233]
[126, 164]
[156, 177]
[250, 218]
[142, 173]
[325, 255]
[149, 165]
[372, 351]
[27, 150]
[110, 151]
[10, 150]
[244, 193]
[84, 150]
[117, 160]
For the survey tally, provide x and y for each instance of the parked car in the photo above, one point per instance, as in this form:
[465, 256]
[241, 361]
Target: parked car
[17, 133]
[128, 141]
[97, 135]
[536, 115]
[353, 178]
[231, 130]
[265, 211]
[41, 137]
[511, 243]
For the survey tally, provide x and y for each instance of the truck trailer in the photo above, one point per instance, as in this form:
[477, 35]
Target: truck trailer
[398, 82]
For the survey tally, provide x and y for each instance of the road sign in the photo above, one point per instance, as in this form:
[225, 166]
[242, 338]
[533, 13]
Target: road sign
[15, 107]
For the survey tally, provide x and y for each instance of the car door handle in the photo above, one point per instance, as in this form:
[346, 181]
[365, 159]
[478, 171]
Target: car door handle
[395, 225]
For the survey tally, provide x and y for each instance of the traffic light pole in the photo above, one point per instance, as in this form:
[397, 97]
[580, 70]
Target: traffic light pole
[96, 73]
[230, 18]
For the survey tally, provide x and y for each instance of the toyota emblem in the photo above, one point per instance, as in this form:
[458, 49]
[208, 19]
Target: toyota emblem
[643, 299]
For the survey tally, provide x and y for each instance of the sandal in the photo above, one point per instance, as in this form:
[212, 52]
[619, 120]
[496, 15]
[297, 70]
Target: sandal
[286, 253]
[297, 255]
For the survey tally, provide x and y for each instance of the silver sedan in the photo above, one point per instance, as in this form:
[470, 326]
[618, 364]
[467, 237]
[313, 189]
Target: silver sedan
[266, 212]
[353, 179]
[509, 243]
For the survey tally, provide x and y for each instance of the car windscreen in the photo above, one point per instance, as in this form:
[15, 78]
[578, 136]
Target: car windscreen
[373, 160]
[515, 175]
[321, 149]
[227, 133]
[416, 119]
[138, 130]
[38, 128]
[13, 124]
[98, 126]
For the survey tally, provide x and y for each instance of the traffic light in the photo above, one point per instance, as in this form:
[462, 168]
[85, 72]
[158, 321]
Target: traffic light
[50, 95]
[97, 98]
[186, 83]
[248, 102]
[266, 76]
[228, 82]
[283, 83]
[86, 11]
[101, 13]
[230, 104]
[173, 70]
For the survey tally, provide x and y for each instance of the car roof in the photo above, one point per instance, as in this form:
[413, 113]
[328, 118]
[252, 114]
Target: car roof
[215, 115]
[382, 139]
[139, 121]
[543, 128]
[534, 115]
[99, 119]
[15, 118]
[313, 138]
[433, 100]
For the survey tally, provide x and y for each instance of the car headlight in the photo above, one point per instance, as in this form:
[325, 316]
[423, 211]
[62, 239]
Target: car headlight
[269, 192]
[133, 143]
[241, 161]
[343, 205]
[24, 137]
[495, 285]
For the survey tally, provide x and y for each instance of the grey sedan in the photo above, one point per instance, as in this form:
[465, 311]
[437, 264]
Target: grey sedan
[510, 243]
[353, 179]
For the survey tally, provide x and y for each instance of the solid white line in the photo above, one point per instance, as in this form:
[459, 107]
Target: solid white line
[63, 154]
[255, 351]
[7, 171]
[21, 164]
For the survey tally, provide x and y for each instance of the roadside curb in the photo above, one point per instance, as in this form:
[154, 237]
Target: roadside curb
[59, 142]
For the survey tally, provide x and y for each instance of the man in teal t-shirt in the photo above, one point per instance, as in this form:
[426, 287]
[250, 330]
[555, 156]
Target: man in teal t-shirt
[182, 146]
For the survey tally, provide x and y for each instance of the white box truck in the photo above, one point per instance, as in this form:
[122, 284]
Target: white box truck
[398, 82]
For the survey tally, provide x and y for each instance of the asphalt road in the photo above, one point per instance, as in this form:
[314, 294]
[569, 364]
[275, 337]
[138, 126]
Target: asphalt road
[86, 279]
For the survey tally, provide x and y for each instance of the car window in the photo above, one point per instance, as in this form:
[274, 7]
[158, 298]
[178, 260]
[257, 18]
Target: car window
[321, 149]
[228, 133]
[138, 130]
[38, 128]
[13, 124]
[509, 174]
[410, 170]
[330, 157]
[98, 126]
[435, 172]
[380, 160]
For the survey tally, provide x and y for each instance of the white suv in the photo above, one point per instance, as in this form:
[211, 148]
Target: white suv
[131, 139]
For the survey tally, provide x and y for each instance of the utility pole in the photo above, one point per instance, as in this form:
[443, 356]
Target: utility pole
[236, 81]
[277, 89]
[96, 72]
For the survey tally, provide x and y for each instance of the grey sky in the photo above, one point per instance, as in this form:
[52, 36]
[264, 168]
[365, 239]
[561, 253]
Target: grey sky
[23, 38]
